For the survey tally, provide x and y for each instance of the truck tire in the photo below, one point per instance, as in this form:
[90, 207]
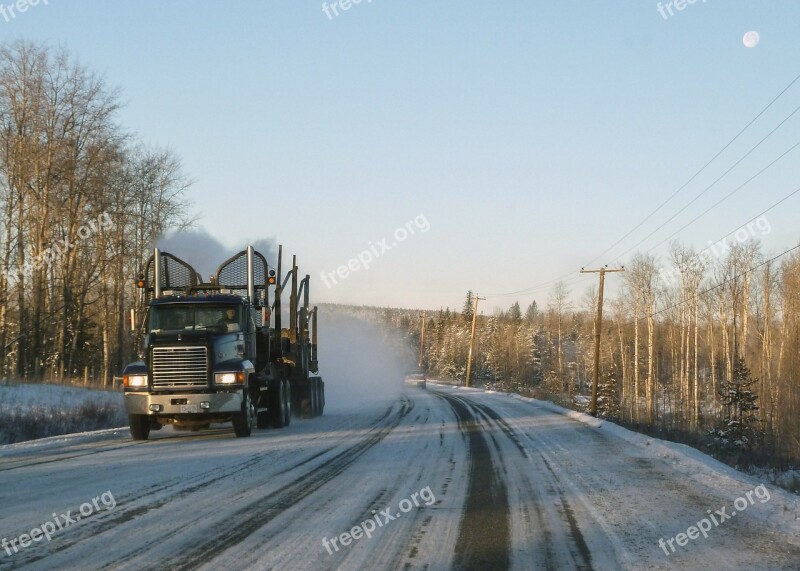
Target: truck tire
[140, 426]
[265, 404]
[243, 421]
[317, 397]
[288, 409]
[305, 401]
[278, 404]
[314, 396]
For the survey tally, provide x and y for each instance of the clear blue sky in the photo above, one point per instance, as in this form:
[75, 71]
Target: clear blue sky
[530, 136]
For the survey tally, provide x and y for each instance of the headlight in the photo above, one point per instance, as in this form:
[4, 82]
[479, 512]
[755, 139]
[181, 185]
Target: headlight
[229, 378]
[135, 380]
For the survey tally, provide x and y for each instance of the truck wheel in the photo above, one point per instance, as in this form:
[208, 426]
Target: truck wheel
[278, 405]
[317, 393]
[305, 402]
[243, 421]
[317, 398]
[140, 426]
[314, 393]
[288, 409]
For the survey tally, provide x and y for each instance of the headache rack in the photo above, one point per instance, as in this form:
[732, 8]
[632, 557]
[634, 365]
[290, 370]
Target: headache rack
[247, 275]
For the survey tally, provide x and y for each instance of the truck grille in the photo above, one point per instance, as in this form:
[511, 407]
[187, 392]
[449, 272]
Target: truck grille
[180, 367]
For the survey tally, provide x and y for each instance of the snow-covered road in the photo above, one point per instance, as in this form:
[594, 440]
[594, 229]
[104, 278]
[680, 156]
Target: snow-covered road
[438, 479]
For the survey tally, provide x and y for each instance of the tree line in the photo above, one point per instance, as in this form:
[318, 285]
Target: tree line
[81, 203]
[706, 349]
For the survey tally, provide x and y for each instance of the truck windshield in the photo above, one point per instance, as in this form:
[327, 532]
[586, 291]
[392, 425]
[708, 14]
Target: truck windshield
[183, 317]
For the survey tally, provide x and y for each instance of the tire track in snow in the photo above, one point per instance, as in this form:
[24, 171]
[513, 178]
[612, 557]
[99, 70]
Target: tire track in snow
[484, 538]
[156, 496]
[108, 445]
[81, 452]
[583, 557]
[137, 506]
[250, 518]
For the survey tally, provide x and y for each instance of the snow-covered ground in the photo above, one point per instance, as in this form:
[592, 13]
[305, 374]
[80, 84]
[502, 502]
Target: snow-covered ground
[449, 478]
[29, 411]
[49, 395]
[391, 477]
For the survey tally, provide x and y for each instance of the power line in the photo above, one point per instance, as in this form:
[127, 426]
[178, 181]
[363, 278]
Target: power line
[568, 279]
[571, 275]
[723, 199]
[695, 175]
[756, 217]
[723, 175]
[573, 279]
[542, 285]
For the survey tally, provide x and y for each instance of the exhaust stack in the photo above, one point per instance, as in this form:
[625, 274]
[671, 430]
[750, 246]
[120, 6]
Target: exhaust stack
[157, 273]
[251, 280]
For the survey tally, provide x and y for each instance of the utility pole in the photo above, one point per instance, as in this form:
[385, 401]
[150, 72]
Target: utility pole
[598, 329]
[421, 343]
[472, 338]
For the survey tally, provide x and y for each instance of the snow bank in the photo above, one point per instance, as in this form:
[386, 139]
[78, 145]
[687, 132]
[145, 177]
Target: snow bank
[693, 464]
[32, 411]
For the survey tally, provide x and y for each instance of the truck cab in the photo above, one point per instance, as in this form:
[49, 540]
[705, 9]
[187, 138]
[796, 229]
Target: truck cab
[198, 367]
[208, 354]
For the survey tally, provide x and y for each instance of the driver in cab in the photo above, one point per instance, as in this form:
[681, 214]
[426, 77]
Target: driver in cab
[229, 322]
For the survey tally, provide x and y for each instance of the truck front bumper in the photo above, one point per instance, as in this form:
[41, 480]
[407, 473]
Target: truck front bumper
[189, 404]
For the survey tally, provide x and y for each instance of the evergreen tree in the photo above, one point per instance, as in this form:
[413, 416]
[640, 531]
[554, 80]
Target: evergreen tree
[467, 311]
[493, 360]
[739, 429]
[608, 395]
[531, 313]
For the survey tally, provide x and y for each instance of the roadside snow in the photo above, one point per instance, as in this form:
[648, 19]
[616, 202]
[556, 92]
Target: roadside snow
[692, 463]
[31, 411]
[695, 465]
[38, 395]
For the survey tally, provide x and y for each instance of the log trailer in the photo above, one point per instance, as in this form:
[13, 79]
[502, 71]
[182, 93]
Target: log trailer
[208, 353]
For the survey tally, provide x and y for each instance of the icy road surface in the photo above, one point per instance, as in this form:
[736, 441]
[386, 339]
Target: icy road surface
[441, 479]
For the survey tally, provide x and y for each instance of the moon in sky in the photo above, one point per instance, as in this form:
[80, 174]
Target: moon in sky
[751, 39]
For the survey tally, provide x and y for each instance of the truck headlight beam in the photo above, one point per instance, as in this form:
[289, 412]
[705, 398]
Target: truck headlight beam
[135, 380]
[229, 378]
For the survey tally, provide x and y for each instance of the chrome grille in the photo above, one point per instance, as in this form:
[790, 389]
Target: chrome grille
[180, 367]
